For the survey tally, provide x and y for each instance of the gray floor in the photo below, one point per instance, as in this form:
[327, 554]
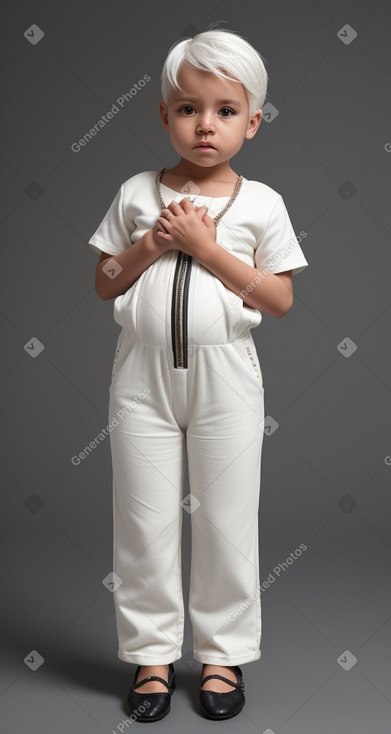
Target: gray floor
[326, 471]
[330, 604]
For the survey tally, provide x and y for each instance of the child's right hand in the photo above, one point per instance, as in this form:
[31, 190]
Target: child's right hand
[163, 244]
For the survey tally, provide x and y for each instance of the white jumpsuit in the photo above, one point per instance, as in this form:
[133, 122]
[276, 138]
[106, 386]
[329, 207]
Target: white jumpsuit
[186, 379]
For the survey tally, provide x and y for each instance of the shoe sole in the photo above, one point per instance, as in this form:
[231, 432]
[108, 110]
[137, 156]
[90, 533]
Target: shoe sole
[152, 718]
[222, 717]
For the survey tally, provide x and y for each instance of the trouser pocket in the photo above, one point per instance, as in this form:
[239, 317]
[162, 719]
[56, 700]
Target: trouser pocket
[246, 350]
[120, 342]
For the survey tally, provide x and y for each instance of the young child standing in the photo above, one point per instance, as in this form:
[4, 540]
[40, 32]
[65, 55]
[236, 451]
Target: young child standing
[190, 280]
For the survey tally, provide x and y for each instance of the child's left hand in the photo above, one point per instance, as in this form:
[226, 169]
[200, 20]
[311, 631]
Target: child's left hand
[188, 228]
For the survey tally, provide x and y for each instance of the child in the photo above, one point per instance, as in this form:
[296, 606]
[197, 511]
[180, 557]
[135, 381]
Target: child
[189, 282]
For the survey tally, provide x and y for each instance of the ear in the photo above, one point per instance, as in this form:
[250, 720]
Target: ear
[253, 124]
[163, 110]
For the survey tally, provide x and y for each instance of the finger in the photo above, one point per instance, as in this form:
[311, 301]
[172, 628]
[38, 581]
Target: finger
[173, 206]
[186, 203]
[164, 223]
[201, 211]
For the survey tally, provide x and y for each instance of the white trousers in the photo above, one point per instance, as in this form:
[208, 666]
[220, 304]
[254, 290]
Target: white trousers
[212, 410]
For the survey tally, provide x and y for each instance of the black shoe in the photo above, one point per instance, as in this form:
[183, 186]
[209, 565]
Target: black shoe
[215, 705]
[152, 706]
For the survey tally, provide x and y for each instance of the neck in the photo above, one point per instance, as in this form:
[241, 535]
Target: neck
[222, 173]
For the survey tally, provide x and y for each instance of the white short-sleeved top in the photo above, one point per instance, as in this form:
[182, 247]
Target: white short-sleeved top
[256, 229]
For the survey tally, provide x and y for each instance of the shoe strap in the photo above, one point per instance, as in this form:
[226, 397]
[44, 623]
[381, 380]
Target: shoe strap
[226, 680]
[152, 677]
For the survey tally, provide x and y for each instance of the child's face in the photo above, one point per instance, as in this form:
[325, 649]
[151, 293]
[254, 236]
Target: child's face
[202, 113]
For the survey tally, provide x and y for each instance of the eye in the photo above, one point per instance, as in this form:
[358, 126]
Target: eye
[226, 109]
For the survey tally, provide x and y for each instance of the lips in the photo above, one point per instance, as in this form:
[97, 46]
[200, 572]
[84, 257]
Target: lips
[205, 145]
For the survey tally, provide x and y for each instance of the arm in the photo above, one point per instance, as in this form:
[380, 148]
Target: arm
[133, 262]
[270, 293]
[196, 235]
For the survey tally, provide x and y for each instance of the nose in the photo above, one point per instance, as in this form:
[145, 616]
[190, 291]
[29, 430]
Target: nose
[205, 124]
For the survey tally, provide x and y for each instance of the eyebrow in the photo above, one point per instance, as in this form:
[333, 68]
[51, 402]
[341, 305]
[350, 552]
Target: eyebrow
[220, 101]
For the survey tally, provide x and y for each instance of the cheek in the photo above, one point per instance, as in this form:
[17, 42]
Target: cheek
[235, 136]
[182, 131]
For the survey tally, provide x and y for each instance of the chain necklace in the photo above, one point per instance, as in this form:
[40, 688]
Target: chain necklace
[216, 219]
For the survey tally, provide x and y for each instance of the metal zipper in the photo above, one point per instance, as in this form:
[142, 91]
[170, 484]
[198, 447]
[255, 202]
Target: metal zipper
[179, 309]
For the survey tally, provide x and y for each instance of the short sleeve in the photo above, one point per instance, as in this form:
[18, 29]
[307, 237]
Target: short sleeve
[279, 249]
[114, 232]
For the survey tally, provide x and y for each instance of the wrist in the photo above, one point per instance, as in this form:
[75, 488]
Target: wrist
[207, 252]
[151, 246]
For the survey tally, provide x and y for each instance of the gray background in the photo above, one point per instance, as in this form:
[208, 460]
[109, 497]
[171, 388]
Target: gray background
[325, 471]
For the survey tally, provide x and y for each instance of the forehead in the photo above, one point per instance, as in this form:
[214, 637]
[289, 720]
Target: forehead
[202, 84]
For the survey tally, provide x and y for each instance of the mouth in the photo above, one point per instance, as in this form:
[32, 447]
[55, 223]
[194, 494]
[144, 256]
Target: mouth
[206, 146]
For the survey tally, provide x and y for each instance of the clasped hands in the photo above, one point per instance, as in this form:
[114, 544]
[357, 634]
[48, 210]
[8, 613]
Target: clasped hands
[183, 226]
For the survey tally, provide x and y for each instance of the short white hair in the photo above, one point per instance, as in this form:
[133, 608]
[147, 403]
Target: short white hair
[215, 50]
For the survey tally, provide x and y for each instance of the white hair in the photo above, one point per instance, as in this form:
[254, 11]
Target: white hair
[215, 51]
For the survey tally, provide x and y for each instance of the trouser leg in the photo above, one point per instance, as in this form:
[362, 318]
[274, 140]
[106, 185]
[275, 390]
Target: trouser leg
[148, 459]
[224, 443]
